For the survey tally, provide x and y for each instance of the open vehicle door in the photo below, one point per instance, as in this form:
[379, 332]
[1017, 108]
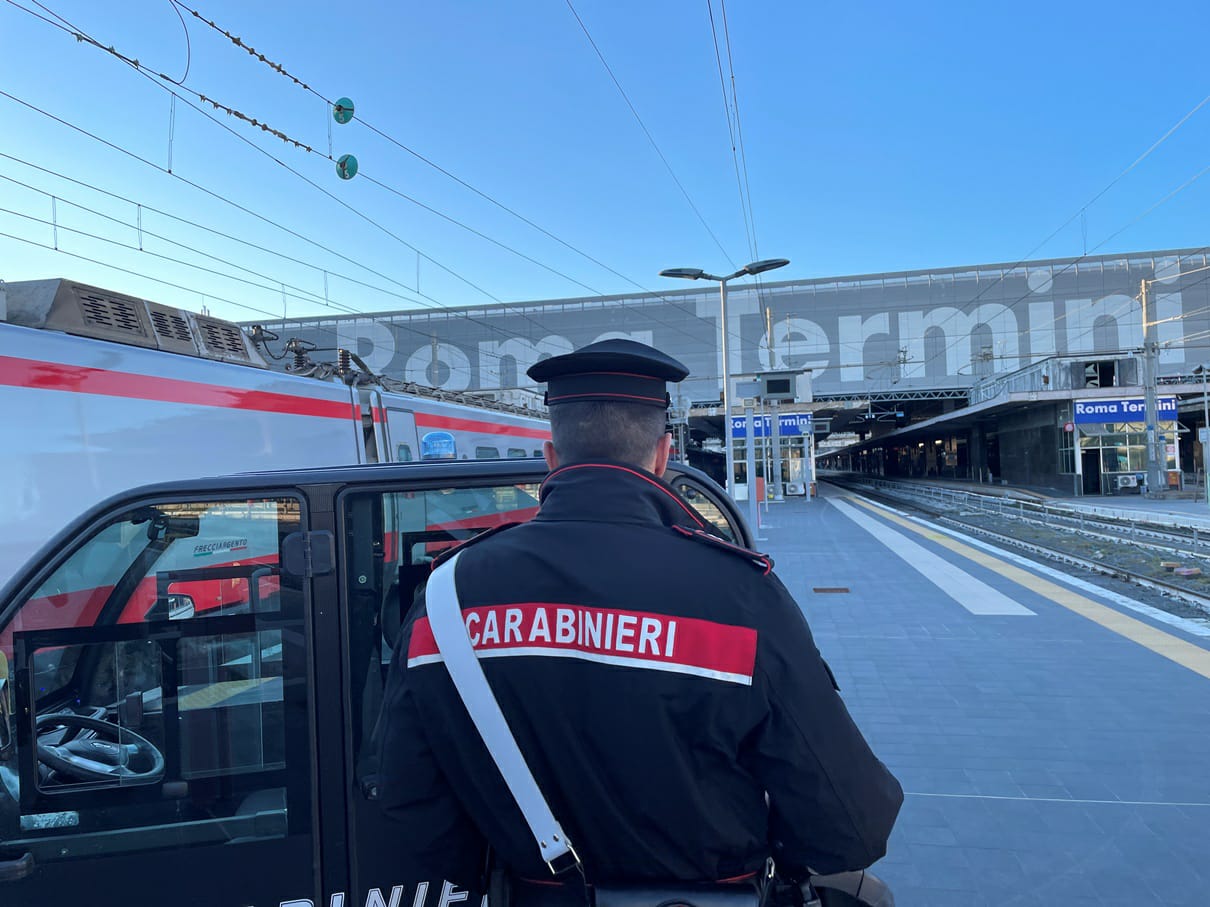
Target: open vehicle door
[190, 677]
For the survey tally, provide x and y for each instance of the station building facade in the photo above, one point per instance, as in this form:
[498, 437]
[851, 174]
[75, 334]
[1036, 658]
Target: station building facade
[970, 372]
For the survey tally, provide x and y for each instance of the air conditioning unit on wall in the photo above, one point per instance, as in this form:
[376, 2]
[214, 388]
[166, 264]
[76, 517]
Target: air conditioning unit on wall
[797, 488]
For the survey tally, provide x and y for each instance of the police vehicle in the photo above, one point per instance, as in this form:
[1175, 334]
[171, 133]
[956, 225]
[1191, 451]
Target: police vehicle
[191, 672]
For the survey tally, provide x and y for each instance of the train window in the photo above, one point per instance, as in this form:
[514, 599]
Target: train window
[403, 453]
[537, 453]
[154, 662]
[517, 453]
[487, 453]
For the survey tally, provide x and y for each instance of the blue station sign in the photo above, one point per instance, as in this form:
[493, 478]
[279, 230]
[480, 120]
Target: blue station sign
[1132, 410]
[789, 425]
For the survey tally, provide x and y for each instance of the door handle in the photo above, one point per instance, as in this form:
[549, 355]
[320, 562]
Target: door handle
[11, 870]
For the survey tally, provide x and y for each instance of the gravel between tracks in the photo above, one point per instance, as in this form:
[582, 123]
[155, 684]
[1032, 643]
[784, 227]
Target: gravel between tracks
[1122, 555]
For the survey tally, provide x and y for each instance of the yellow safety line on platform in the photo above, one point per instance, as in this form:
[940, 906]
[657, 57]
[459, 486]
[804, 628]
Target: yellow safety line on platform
[1184, 653]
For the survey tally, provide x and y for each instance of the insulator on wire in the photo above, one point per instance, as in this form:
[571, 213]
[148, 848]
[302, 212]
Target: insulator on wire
[299, 349]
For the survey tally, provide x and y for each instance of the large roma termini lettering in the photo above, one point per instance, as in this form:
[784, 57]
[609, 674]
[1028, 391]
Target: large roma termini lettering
[923, 330]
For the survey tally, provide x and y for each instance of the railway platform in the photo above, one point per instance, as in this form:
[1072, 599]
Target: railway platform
[1052, 737]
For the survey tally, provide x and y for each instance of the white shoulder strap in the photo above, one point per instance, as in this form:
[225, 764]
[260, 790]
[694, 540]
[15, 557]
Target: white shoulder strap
[449, 631]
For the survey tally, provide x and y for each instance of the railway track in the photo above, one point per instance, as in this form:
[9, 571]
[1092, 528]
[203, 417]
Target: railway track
[1133, 550]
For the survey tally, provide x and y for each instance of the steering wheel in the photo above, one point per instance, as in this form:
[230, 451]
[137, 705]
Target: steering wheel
[93, 759]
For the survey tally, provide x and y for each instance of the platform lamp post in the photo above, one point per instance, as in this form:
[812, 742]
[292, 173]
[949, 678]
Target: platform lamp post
[1204, 370]
[1157, 459]
[752, 268]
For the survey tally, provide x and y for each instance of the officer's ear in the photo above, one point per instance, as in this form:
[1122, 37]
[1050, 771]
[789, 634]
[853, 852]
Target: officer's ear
[663, 449]
[549, 455]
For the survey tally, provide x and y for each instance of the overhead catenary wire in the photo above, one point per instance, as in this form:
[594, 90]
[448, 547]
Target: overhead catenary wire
[207, 229]
[1075, 261]
[647, 132]
[97, 44]
[388, 381]
[274, 316]
[152, 77]
[281, 70]
[722, 84]
[1083, 209]
[168, 283]
[739, 133]
[209, 192]
[433, 303]
[367, 124]
[158, 79]
[1113, 182]
[274, 284]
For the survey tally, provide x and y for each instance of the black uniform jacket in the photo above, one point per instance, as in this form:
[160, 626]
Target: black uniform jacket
[659, 683]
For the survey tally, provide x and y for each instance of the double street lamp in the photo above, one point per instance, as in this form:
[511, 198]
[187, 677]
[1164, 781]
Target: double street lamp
[756, 267]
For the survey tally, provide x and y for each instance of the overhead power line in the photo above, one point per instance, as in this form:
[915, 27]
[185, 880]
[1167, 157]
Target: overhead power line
[158, 79]
[431, 305]
[281, 70]
[141, 275]
[200, 188]
[739, 132]
[647, 132]
[1080, 212]
[274, 284]
[71, 29]
[151, 76]
[722, 84]
[276, 67]
[1084, 208]
[212, 230]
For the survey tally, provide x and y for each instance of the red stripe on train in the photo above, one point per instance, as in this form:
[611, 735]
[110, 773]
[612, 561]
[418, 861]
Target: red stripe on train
[455, 423]
[102, 382]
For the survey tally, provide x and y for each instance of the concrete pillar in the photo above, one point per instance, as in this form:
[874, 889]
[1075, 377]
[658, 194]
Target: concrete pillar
[977, 446]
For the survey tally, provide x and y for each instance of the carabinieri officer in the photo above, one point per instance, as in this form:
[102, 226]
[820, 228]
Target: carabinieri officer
[662, 684]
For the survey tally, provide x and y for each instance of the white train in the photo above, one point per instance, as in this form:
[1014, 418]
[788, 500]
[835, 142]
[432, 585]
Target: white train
[100, 392]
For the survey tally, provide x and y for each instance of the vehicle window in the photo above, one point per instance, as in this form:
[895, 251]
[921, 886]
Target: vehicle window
[487, 453]
[390, 542]
[153, 661]
[517, 452]
[403, 453]
[537, 453]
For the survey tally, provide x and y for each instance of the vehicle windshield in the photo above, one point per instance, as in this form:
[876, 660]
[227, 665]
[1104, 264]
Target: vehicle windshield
[157, 646]
[149, 564]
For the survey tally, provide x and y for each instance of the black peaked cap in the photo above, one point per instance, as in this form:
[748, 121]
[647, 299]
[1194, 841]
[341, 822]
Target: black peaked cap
[622, 371]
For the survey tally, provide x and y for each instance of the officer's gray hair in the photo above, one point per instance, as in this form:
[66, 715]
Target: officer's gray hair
[595, 430]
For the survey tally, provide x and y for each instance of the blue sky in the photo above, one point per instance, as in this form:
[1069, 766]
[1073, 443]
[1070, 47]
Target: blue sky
[878, 137]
